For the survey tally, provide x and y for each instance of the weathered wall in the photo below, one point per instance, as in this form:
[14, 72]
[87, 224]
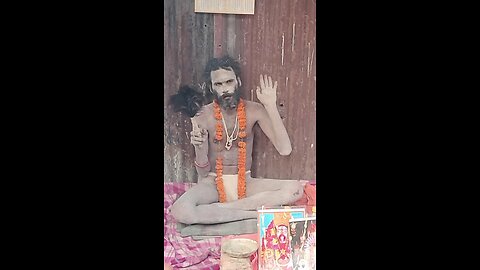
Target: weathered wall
[188, 44]
[279, 40]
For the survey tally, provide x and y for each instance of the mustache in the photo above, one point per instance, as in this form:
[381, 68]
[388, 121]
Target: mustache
[228, 100]
[227, 95]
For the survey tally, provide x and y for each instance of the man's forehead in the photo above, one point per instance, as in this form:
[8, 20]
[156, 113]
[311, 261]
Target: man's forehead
[222, 75]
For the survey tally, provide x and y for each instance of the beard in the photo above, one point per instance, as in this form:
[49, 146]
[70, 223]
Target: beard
[229, 101]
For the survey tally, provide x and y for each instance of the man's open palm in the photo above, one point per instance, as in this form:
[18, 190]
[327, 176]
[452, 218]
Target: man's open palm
[267, 92]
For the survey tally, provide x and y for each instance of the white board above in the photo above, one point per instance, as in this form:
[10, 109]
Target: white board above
[225, 6]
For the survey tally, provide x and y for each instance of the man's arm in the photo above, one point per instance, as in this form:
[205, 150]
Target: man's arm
[199, 139]
[269, 118]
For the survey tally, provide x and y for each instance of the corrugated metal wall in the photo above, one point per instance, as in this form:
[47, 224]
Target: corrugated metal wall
[279, 40]
[188, 44]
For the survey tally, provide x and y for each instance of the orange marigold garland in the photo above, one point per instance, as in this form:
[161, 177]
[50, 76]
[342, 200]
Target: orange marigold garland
[219, 181]
[242, 151]
[218, 116]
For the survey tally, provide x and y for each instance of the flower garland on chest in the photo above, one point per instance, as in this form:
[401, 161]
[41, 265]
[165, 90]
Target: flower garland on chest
[242, 150]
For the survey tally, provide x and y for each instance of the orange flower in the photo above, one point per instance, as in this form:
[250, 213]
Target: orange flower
[217, 112]
[218, 131]
[222, 197]
[242, 122]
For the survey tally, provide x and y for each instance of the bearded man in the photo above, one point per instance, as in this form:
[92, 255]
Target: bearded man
[226, 197]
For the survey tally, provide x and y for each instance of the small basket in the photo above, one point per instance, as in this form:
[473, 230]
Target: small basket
[236, 254]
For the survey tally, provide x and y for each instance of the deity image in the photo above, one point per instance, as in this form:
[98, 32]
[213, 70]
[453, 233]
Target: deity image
[303, 242]
[284, 245]
[275, 239]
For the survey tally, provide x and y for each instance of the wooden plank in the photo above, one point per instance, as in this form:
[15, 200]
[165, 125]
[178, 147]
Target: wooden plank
[225, 6]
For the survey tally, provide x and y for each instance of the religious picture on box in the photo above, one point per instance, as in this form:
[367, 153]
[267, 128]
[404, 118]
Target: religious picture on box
[303, 233]
[274, 250]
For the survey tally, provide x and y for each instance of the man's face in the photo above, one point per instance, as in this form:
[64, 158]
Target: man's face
[282, 232]
[294, 228]
[226, 88]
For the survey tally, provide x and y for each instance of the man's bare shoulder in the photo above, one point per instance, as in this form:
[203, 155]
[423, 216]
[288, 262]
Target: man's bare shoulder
[255, 110]
[252, 105]
[205, 112]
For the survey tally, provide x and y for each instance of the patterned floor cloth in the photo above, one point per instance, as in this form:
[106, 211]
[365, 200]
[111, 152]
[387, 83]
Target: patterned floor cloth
[185, 252]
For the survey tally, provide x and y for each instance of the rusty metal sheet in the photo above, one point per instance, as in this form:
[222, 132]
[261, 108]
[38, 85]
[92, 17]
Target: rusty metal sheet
[188, 44]
[278, 40]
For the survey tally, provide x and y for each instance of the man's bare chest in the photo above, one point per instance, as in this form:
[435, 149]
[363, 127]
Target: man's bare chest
[229, 127]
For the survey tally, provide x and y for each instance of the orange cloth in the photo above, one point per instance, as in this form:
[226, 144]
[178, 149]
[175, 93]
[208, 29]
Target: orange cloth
[309, 198]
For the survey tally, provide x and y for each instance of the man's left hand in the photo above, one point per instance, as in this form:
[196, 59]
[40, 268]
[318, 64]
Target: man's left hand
[267, 92]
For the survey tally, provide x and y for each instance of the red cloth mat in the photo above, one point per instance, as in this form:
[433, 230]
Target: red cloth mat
[185, 252]
[309, 199]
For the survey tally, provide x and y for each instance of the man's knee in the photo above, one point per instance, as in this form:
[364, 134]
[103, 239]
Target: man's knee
[183, 212]
[294, 191]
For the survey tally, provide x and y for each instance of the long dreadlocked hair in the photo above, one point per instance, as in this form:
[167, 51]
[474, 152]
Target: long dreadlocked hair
[188, 100]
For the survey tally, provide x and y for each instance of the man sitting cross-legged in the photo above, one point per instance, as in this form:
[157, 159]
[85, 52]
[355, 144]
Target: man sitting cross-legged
[226, 197]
